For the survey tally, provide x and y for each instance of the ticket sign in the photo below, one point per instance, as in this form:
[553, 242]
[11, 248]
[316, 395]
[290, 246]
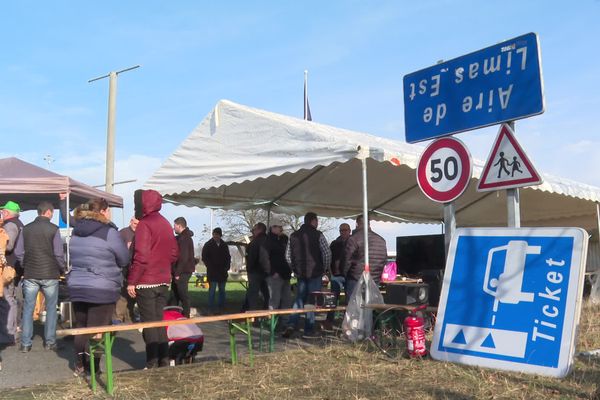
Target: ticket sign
[497, 84]
[511, 299]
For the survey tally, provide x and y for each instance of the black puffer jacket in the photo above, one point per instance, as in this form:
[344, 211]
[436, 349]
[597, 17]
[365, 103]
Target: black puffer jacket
[355, 256]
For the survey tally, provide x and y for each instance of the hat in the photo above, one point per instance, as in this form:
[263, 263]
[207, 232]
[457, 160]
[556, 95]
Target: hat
[11, 206]
[275, 222]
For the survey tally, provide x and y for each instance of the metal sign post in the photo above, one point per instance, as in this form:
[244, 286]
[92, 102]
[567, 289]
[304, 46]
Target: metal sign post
[512, 200]
[449, 224]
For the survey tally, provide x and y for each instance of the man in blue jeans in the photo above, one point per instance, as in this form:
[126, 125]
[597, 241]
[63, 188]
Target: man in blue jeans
[338, 279]
[42, 257]
[308, 253]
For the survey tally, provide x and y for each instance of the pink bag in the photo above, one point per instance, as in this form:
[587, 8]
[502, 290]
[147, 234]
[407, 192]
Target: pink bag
[389, 272]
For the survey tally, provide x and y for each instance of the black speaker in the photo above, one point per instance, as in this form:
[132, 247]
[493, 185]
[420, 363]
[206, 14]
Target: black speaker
[322, 299]
[434, 278]
[406, 294]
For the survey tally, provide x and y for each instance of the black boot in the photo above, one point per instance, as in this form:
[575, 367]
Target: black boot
[81, 367]
[163, 355]
[97, 369]
[151, 355]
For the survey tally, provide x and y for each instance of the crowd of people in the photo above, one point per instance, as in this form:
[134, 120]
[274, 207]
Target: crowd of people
[272, 258]
[110, 271]
[146, 264]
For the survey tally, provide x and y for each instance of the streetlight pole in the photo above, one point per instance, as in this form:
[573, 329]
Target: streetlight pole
[110, 131]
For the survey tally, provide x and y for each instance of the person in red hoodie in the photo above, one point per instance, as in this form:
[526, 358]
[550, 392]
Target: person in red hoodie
[154, 250]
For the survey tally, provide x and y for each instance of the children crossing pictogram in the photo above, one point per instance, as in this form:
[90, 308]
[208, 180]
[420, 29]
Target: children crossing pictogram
[507, 165]
[502, 162]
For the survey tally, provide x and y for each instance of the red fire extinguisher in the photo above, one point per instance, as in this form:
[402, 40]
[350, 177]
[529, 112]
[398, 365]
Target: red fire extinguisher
[414, 329]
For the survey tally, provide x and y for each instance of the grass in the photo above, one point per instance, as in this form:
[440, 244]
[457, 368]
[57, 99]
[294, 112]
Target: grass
[235, 296]
[337, 370]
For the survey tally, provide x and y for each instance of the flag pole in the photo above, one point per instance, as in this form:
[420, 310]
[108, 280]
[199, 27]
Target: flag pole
[305, 94]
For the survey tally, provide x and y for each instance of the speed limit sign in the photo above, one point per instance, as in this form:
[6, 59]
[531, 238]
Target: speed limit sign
[444, 170]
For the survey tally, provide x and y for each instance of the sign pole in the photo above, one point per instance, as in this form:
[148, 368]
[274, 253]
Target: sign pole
[449, 224]
[512, 200]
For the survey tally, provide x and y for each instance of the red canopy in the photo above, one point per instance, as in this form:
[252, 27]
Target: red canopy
[28, 185]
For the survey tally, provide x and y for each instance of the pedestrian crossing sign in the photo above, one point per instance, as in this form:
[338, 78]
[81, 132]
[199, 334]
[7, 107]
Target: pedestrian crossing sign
[507, 165]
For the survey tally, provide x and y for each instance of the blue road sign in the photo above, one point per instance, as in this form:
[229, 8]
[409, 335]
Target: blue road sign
[497, 84]
[511, 299]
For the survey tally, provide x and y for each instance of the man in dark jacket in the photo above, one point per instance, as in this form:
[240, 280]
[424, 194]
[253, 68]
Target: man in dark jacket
[184, 267]
[338, 259]
[155, 250]
[355, 256]
[42, 257]
[279, 271]
[308, 255]
[216, 257]
[12, 302]
[257, 262]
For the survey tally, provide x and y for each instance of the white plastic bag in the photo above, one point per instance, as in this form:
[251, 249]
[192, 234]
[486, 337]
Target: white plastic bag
[358, 321]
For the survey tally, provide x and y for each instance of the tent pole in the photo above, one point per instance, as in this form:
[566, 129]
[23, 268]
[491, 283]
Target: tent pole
[68, 236]
[365, 152]
[598, 219]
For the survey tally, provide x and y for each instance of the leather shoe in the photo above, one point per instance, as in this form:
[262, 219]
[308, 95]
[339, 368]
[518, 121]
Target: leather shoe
[24, 349]
[50, 346]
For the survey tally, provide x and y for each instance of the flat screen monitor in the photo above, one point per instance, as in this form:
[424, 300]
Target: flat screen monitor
[420, 253]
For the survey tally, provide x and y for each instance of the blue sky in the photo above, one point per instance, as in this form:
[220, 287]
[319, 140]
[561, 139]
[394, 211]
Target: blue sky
[254, 53]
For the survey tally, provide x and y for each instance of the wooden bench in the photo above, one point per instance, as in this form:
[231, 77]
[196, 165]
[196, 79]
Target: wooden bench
[235, 326]
[108, 335]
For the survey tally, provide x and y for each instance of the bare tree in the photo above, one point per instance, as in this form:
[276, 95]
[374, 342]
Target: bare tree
[237, 224]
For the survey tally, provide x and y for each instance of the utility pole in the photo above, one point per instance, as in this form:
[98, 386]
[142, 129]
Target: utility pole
[49, 160]
[110, 131]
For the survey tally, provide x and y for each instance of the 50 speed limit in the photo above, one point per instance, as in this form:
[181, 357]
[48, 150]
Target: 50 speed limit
[444, 170]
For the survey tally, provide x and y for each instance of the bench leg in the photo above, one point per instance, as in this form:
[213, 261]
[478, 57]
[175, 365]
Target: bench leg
[108, 342]
[273, 323]
[232, 343]
[249, 334]
[260, 334]
[105, 344]
[93, 345]
[246, 330]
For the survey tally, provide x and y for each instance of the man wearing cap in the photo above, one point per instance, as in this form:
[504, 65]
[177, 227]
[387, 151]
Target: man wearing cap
[9, 307]
[257, 259]
[338, 259]
[216, 257]
[42, 256]
[278, 270]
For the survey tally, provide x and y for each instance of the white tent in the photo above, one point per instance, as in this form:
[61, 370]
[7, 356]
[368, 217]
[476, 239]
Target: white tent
[240, 157]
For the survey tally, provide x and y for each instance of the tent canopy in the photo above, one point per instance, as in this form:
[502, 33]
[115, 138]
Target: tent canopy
[240, 157]
[28, 185]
